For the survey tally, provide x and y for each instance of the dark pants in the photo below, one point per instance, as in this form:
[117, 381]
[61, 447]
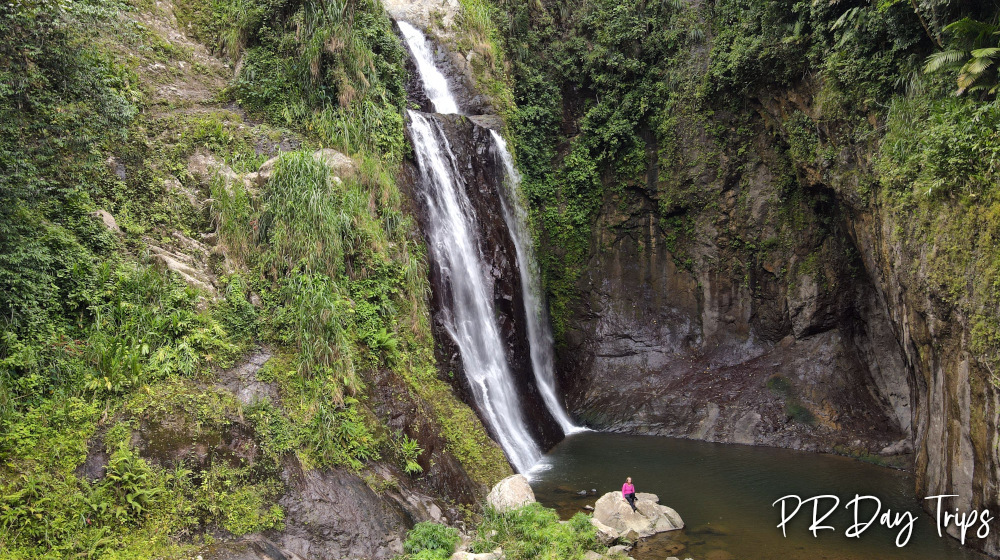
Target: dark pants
[630, 498]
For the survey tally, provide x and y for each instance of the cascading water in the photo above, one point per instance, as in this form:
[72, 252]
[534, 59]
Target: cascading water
[469, 314]
[539, 333]
[435, 84]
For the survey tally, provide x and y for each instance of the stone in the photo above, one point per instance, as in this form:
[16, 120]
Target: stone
[424, 13]
[254, 179]
[265, 171]
[204, 166]
[511, 493]
[252, 547]
[242, 380]
[334, 514]
[605, 535]
[902, 446]
[464, 555]
[117, 167]
[591, 555]
[618, 549]
[172, 184]
[340, 164]
[190, 270]
[108, 219]
[649, 518]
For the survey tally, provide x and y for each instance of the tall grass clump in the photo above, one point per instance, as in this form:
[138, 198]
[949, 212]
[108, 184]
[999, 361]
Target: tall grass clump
[332, 67]
[534, 531]
[430, 541]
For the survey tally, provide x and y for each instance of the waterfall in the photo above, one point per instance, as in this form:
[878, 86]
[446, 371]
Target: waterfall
[435, 84]
[470, 317]
[539, 332]
[468, 312]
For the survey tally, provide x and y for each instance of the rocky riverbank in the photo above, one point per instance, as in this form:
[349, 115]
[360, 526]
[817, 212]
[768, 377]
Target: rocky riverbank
[617, 528]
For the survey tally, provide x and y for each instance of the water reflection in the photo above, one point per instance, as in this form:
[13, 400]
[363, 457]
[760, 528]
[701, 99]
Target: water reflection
[725, 492]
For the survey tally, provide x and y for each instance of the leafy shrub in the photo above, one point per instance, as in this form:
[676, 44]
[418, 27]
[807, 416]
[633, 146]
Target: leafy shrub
[410, 450]
[535, 532]
[431, 541]
[957, 151]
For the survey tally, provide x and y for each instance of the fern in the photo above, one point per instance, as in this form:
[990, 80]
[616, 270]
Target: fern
[975, 48]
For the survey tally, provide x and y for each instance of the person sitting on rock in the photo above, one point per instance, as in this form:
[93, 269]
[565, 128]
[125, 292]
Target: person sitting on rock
[628, 492]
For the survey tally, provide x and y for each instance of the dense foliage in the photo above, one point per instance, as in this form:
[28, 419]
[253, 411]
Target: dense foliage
[333, 67]
[534, 531]
[430, 541]
[527, 533]
[102, 348]
[611, 97]
[97, 343]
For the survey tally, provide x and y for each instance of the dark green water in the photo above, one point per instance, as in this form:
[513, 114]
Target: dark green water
[725, 492]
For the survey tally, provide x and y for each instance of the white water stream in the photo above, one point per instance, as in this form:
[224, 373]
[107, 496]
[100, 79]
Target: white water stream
[469, 314]
[539, 332]
[435, 84]
[470, 317]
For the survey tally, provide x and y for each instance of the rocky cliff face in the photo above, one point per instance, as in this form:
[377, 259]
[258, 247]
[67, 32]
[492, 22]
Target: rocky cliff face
[787, 350]
[801, 316]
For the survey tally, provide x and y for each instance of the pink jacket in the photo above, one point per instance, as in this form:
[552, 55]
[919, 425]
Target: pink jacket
[627, 489]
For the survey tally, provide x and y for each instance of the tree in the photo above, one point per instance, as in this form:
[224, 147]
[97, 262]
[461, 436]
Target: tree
[974, 51]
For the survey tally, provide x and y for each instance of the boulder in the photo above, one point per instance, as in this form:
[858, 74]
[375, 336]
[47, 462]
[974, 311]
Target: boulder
[192, 269]
[463, 555]
[264, 172]
[204, 167]
[334, 514]
[649, 518]
[591, 555]
[511, 493]
[619, 550]
[117, 167]
[108, 219]
[339, 164]
[605, 535]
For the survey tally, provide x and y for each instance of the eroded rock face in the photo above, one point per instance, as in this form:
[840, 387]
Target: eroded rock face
[814, 324]
[613, 515]
[424, 13]
[511, 493]
[771, 358]
[332, 515]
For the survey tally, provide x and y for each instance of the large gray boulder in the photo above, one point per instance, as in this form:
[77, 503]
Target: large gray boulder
[511, 493]
[613, 512]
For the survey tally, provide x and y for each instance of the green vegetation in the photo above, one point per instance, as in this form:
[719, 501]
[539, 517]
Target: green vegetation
[534, 531]
[478, 34]
[332, 68]
[665, 102]
[975, 49]
[430, 541]
[794, 407]
[527, 533]
[681, 103]
[109, 362]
